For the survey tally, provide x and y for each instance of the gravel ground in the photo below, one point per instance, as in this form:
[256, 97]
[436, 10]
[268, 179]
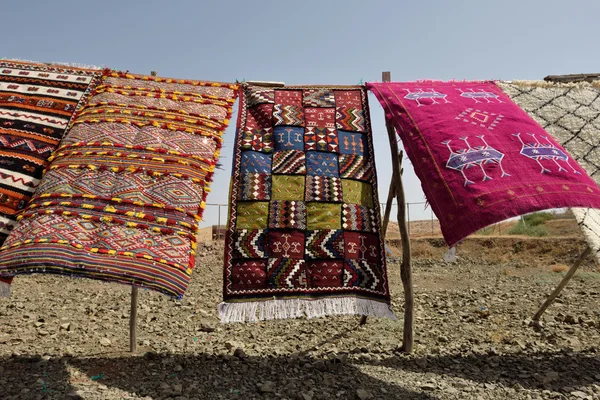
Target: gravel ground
[64, 338]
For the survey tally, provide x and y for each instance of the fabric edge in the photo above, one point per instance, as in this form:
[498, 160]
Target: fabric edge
[296, 308]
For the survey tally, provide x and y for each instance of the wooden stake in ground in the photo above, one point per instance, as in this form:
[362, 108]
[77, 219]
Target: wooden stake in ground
[405, 267]
[133, 310]
[561, 286]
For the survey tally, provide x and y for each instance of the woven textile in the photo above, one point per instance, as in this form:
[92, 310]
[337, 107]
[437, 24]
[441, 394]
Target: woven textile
[571, 113]
[303, 236]
[123, 194]
[37, 103]
[480, 158]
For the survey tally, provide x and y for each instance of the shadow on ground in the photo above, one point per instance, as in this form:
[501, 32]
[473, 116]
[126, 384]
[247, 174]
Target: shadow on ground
[225, 377]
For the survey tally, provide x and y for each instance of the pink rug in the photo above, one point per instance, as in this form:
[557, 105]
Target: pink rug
[480, 158]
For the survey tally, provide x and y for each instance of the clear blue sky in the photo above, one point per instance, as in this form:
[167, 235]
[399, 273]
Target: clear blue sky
[318, 42]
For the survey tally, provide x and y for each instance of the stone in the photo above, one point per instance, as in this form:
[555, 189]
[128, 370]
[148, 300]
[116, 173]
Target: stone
[105, 342]
[266, 387]
[363, 394]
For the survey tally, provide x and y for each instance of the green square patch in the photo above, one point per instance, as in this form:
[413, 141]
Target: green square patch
[356, 192]
[323, 216]
[287, 187]
[252, 215]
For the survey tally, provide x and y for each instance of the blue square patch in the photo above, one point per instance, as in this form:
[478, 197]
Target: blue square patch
[288, 138]
[253, 161]
[322, 164]
[352, 143]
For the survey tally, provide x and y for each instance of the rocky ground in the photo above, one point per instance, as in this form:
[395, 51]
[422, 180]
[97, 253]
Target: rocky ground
[65, 338]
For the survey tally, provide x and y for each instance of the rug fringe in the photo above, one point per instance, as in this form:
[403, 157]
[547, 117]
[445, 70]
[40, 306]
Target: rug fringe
[296, 308]
[4, 289]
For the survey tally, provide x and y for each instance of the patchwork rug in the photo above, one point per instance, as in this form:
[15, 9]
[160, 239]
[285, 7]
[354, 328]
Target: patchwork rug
[37, 103]
[480, 158]
[571, 113]
[124, 192]
[304, 231]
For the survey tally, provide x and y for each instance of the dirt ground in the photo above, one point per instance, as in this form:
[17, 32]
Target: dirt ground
[63, 338]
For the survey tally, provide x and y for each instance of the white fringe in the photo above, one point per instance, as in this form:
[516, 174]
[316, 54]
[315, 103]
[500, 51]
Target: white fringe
[4, 289]
[63, 64]
[296, 308]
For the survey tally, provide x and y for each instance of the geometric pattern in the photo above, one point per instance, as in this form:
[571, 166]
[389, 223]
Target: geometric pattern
[319, 98]
[287, 187]
[361, 245]
[125, 207]
[253, 161]
[325, 273]
[289, 162]
[286, 244]
[255, 186]
[358, 218]
[325, 243]
[320, 117]
[321, 164]
[484, 119]
[323, 188]
[571, 114]
[287, 214]
[362, 274]
[357, 167]
[286, 273]
[257, 95]
[248, 274]
[258, 140]
[249, 243]
[352, 143]
[289, 138]
[350, 119]
[287, 205]
[321, 139]
[357, 192]
[288, 115]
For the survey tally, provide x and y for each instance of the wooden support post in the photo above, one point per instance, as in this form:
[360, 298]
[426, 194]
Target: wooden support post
[561, 286]
[133, 309]
[405, 268]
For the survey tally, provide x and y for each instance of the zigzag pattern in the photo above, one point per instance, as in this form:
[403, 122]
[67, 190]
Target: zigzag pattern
[288, 115]
[326, 243]
[350, 119]
[256, 186]
[249, 243]
[286, 273]
[256, 95]
[25, 144]
[17, 180]
[25, 116]
[319, 98]
[358, 273]
[355, 166]
[289, 162]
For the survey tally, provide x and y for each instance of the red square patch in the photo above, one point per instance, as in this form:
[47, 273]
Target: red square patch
[320, 117]
[286, 244]
[325, 273]
[348, 98]
[260, 117]
[289, 97]
[362, 246]
[248, 274]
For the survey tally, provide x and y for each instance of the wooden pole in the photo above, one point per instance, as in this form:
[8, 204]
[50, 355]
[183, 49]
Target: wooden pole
[133, 310]
[405, 268]
[561, 285]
